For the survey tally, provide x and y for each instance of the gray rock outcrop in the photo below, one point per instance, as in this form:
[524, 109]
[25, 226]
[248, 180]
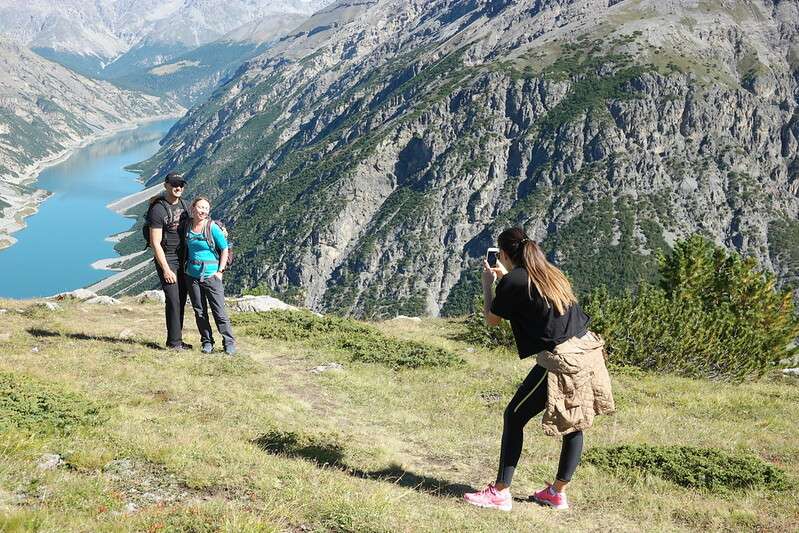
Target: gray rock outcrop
[257, 304]
[49, 461]
[78, 294]
[103, 300]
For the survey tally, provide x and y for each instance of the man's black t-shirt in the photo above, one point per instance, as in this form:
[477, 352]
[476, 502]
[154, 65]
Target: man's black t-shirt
[536, 325]
[171, 219]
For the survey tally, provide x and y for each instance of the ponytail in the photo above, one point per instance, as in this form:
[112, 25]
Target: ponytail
[548, 280]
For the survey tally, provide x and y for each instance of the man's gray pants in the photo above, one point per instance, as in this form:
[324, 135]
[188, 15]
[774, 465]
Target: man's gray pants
[209, 293]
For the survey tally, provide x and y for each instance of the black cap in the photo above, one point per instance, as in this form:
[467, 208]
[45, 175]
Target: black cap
[174, 178]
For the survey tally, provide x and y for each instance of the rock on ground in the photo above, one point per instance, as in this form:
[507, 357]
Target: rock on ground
[49, 461]
[78, 294]
[409, 318]
[257, 304]
[327, 367]
[102, 300]
[151, 296]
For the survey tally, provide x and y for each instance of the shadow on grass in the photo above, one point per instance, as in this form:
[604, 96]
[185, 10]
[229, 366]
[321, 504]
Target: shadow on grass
[44, 333]
[332, 455]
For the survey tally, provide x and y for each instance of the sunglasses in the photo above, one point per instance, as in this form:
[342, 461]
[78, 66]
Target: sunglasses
[177, 186]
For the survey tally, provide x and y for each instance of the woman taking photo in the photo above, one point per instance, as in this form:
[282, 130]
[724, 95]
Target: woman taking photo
[569, 383]
[207, 257]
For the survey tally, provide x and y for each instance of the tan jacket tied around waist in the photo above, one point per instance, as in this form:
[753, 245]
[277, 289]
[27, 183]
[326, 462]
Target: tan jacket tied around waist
[578, 383]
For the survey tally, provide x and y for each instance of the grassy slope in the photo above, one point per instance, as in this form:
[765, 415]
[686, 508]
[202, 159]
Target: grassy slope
[188, 424]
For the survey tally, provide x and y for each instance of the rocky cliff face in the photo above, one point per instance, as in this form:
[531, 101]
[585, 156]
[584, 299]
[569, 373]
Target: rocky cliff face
[45, 110]
[368, 160]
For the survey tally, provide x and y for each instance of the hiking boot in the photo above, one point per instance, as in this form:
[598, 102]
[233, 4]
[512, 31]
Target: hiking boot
[549, 496]
[180, 347]
[231, 349]
[490, 498]
[207, 347]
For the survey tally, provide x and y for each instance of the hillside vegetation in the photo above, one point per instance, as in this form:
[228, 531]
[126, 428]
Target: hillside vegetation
[143, 439]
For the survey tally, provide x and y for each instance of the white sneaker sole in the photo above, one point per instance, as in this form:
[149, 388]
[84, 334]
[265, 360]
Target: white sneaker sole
[546, 503]
[505, 508]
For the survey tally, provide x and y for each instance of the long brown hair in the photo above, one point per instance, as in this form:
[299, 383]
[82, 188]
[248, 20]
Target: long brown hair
[549, 281]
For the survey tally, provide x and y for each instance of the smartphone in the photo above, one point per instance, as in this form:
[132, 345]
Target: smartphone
[492, 256]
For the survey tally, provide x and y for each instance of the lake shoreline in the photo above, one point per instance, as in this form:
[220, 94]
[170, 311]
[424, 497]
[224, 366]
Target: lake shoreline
[26, 205]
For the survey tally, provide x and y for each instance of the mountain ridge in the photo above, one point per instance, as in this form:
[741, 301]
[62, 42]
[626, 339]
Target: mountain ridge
[109, 28]
[375, 153]
[122, 40]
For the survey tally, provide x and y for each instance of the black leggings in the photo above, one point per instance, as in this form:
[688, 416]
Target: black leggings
[529, 400]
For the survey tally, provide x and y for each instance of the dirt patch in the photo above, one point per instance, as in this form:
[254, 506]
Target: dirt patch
[143, 484]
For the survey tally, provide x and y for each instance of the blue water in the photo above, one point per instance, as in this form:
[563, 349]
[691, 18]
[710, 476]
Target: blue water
[55, 251]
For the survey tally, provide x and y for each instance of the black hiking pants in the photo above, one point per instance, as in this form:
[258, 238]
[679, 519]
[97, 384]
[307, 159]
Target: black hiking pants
[175, 294]
[208, 293]
[530, 400]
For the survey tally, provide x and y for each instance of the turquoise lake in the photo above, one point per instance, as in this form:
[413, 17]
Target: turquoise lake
[55, 251]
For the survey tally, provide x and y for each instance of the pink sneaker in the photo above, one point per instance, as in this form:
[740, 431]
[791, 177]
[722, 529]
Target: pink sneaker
[549, 496]
[490, 498]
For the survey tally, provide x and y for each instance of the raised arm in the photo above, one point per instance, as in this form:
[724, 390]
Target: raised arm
[489, 277]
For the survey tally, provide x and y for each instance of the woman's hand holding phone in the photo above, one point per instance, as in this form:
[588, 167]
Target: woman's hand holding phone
[489, 274]
[493, 269]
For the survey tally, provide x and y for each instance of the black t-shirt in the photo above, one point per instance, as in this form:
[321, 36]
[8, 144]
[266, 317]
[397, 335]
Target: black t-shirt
[536, 325]
[171, 219]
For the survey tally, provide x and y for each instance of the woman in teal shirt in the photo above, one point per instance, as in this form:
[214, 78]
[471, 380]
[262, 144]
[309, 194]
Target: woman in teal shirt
[205, 265]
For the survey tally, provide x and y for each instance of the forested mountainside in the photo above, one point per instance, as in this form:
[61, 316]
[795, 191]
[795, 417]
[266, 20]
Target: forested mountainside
[46, 109]
[368, 160]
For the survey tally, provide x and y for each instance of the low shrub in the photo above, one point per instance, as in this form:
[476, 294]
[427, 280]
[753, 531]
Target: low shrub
[40, 407]
[478, 332]
[360, 341]
[322, 450]
[696, 468]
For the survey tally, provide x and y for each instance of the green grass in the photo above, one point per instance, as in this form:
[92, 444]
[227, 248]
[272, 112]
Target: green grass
[259, 443]
[360, 342]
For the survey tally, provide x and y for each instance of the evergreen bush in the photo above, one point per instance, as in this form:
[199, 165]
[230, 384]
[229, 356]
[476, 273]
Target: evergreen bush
[715, 314]
[697, 468]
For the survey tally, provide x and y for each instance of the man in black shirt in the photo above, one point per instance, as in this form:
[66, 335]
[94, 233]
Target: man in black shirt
[167, 218]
